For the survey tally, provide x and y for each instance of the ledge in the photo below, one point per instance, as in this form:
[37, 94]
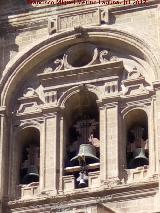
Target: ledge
[85, 195]
[28, 14]
[100, 70]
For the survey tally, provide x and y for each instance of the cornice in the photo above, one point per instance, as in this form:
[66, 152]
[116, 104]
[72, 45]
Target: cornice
[29, 18]
[106, 69]
[83, 197]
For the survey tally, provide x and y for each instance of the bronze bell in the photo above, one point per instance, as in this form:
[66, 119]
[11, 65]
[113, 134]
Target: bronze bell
[139, 158]
[86, 152]
[32, 175]
[82, 179]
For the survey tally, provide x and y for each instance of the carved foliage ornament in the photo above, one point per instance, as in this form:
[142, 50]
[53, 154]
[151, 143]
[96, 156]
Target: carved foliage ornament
[87, 54]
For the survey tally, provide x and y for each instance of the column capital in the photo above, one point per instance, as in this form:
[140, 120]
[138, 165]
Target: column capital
[108, 102]
[103, 106]
[2, 111]
[111, 105]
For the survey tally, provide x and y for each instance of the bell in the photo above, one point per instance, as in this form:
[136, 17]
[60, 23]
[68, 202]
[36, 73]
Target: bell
[32, 175]
[82, 179]
[82, 183]
[86, 152]
[139, 158]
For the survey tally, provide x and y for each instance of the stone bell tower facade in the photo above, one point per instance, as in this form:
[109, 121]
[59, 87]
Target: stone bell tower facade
[80, 107]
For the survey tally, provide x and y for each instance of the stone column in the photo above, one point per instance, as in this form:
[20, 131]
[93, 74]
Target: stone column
[112, 140]
[157, 139]
[14, 162]
[151, 137]
[3, 156]
[61, 151]
[2, 54]
[157, 129]
[50, 152]
[109, 165]
[122, 145]
[103, 143]
[42, 156]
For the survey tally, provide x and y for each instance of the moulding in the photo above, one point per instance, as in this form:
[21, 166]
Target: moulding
[84, 197]
[114, 67]
[30, 15]
[69, 20]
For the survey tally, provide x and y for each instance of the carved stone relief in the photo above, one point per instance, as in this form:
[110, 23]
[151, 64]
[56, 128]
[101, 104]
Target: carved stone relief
[88, 54]
[50, 97]
[111, 87]
[31, 97]
[73, 19]
[129, 81]
[106, 56]
[134, 74]
[112, 182]
[28, 107]
[48, 70]
[135, 83]
[29, 92]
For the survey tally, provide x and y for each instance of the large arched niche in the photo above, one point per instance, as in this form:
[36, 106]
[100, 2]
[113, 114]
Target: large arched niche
[81, 119]
[136, 127]
[74, 90]
[25, 63]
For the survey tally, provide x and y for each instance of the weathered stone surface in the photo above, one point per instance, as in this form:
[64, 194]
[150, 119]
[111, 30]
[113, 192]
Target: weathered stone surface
[49, 56]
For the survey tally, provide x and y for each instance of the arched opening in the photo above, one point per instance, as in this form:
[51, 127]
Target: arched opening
[137, 147]
[29, 155]
[82, 131]
[48, 49]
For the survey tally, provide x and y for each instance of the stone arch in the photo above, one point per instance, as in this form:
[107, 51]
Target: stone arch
[64, 97]
[25, 62]
[131, 108]
[136, 137]
[30, 124]
[28, 141]
[80, 119]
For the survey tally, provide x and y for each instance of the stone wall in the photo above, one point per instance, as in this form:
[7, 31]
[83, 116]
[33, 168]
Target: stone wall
[25, 38]
[28, 26]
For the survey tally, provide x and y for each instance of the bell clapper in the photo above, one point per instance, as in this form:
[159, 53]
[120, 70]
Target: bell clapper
[83, 177]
